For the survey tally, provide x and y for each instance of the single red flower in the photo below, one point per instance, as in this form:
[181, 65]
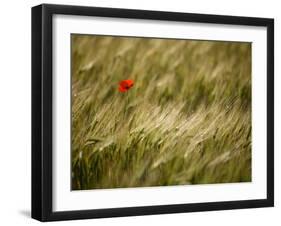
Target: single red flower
[125, 85]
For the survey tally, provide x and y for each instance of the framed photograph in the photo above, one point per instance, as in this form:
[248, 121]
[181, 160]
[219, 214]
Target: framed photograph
[145, 112]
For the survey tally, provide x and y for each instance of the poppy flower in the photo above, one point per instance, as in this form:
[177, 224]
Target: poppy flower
[125, 85]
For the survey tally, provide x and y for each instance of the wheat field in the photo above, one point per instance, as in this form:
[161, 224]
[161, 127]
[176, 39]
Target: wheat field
[186, 120]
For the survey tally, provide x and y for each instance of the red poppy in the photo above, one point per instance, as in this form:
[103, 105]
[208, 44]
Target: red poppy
[125, 85]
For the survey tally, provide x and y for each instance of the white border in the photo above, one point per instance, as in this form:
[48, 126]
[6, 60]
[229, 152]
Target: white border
[64, 199]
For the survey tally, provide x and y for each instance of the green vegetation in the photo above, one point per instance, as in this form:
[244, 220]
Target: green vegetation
[186, 120]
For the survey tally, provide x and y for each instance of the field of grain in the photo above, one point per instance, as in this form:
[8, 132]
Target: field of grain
[186, 120]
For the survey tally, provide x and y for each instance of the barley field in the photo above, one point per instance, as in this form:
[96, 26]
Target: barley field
[186, 120]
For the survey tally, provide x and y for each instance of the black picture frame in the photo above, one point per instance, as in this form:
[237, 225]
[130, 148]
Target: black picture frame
[42, 119]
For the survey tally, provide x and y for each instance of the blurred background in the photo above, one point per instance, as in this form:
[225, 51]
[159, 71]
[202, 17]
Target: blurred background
[186, 120]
